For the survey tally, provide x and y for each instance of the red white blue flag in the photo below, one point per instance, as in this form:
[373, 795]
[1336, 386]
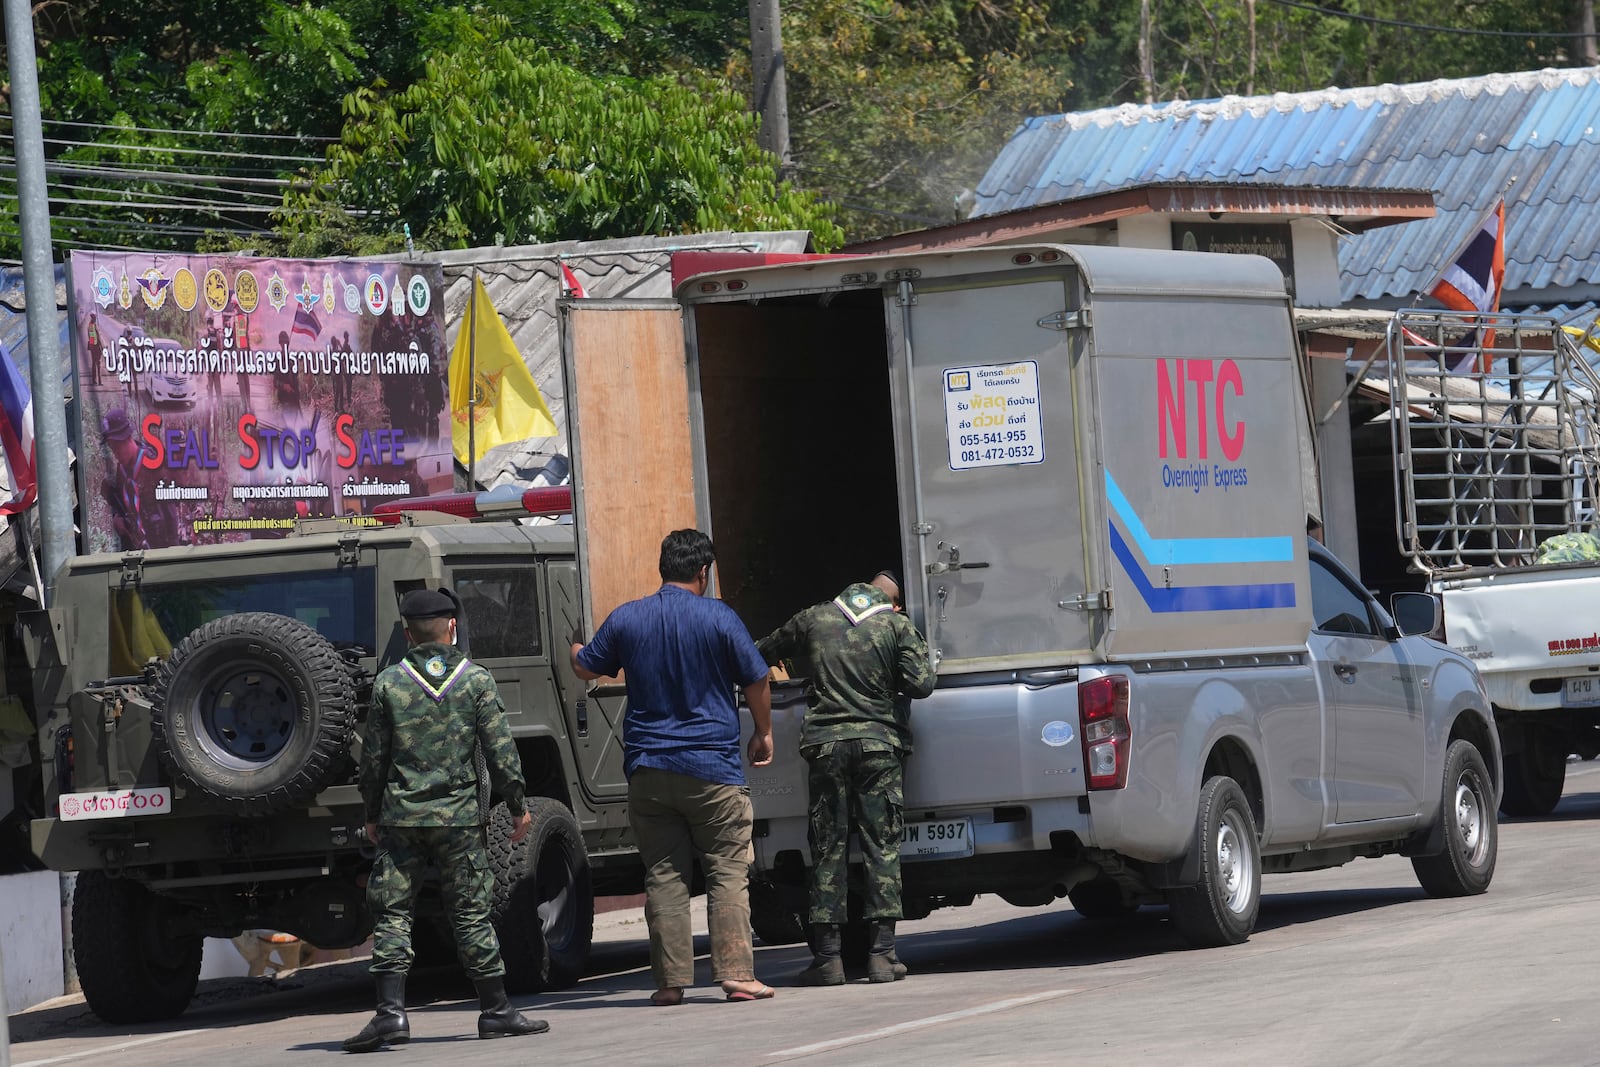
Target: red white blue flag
[306, 324]
[16, 436]
[1471, 281]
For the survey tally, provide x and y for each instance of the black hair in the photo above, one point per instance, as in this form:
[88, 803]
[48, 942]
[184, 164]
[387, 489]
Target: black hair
[683, 554]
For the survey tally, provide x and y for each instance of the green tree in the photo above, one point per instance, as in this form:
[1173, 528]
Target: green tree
[497, 142]
[896, 108]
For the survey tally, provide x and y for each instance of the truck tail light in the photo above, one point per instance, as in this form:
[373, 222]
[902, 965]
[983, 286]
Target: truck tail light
[1103, 725]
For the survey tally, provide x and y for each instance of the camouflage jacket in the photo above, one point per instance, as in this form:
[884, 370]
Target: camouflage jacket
[427, 712]
[862, 659]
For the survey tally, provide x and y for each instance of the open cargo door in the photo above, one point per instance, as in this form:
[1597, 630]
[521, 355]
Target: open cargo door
[1000, 527]
[632, 458]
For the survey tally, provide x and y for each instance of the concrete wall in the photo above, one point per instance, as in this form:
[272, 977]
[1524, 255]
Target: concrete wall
[30, 938]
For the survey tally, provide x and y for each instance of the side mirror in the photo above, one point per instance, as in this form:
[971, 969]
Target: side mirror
[1417, 613]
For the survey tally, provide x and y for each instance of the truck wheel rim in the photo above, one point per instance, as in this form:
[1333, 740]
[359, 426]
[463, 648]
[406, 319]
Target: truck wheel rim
[1235, 878]
[248, 716]
[1469, 821]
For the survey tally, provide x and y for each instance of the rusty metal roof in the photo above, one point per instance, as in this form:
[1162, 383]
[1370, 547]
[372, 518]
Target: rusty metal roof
[1534, 136]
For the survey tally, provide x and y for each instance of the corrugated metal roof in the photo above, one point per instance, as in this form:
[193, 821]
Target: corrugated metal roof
[1534, 135]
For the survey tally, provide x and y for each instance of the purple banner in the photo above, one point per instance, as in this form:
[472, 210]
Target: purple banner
[223, 397]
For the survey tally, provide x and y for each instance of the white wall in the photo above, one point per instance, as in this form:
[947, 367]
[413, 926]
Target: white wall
[30, 938]
[1316, 264]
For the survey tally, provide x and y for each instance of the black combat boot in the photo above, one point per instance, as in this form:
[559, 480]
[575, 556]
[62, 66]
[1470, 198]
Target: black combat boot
[882, 963]
[499, 1018]
[390, 1025]
[827, 968]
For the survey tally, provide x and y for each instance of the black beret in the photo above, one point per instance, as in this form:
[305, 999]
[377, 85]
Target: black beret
[427, 604]
[892, 576]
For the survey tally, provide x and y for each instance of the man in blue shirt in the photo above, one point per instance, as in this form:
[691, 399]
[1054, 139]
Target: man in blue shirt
[684, 653]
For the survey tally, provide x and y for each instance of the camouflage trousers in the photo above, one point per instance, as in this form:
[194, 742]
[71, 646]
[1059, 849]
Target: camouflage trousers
[466, 882]
[855, 788]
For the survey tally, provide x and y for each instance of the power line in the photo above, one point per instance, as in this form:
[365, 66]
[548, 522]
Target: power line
[1401, 24]
[174, 202]
[187, 133]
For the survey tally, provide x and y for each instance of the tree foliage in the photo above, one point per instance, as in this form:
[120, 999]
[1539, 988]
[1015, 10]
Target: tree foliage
[500, 144]
[607, 117]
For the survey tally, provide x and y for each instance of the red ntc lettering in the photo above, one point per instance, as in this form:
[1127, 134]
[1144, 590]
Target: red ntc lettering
[1210, 381]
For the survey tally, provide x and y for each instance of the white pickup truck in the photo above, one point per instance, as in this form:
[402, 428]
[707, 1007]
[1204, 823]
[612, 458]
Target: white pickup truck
[1497, 456]
[1092, 465]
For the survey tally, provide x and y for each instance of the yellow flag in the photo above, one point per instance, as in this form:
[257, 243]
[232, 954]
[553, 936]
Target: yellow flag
[490, 385]
[1590, 337]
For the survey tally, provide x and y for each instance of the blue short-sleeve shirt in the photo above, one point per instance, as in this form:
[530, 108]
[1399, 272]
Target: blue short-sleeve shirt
[683, 655]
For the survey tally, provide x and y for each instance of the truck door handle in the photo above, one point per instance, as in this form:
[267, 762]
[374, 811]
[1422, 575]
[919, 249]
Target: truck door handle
[954, 563]
[1347, 671]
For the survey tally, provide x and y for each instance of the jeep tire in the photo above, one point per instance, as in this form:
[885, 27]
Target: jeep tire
[256, 710]
[543, 910]
[137, 958]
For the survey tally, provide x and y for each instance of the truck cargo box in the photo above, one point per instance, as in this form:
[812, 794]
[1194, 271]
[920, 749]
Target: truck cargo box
[1076, 454]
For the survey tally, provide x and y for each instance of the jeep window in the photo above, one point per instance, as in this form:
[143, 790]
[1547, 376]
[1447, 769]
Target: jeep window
[148, 621]
[1335, 607]
[502, 610]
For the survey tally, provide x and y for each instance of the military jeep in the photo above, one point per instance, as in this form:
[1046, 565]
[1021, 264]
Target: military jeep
[201, 715]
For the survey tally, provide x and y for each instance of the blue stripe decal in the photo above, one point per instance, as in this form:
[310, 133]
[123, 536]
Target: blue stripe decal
[1182, 550]
[1199, 597]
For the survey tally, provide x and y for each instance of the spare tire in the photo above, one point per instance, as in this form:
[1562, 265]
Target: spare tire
[254, 709]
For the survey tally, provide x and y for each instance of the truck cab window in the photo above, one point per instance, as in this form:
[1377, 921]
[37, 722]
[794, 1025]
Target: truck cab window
[502, 610]
[1335, 607]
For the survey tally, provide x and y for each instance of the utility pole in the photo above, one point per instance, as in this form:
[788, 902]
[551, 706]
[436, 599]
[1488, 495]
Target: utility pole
[1586, 45]
[39, 283]
[1147, 68]
[44, 349]
[771, 94]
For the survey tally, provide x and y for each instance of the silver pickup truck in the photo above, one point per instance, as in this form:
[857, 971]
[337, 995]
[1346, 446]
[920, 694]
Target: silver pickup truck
[1179, 780]
[1093, 466]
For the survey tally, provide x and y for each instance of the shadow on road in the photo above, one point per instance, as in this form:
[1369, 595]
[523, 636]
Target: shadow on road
[1573, 806]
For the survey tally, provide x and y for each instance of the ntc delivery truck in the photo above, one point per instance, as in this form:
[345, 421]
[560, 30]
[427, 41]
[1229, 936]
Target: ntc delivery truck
[1092, 465]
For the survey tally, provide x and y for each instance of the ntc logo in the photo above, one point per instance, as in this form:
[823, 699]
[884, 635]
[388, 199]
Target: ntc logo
[1210, 382]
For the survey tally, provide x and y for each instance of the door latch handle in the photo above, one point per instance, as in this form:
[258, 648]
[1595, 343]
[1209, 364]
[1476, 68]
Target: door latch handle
[954, 563]
[1347, 671]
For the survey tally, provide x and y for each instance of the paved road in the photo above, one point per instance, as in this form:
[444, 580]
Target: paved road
[1353, 966]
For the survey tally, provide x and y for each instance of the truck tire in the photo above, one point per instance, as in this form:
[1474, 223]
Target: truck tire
[1101, 898]
[256, 710]
[137, 960]
[1535, 773]
[1471, 835]
[778, 913]
[543, 908]
[1222, 908]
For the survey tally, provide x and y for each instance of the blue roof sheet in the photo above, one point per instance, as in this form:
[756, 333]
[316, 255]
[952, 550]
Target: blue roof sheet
[1534, 136]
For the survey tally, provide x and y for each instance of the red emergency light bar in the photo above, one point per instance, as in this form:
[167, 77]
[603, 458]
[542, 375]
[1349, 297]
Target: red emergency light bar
[501, 502]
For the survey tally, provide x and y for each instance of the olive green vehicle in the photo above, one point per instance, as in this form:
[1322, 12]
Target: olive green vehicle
[201, 712]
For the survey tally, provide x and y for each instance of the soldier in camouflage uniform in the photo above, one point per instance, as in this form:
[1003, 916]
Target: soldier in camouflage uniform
[419, 783]
[864, 661]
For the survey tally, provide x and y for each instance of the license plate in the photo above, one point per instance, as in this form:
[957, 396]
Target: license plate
[116, 804]
[1583, 690]
[939, 839]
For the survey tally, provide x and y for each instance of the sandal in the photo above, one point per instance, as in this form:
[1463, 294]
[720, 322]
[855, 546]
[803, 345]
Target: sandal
[668, 997]
[766, 992]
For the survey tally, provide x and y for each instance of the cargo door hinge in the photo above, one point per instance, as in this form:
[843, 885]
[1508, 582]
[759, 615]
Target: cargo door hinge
[349, 548]
[1100, 601]
[133, 567]
[907, 296]
[923, 528]
[1067, 320]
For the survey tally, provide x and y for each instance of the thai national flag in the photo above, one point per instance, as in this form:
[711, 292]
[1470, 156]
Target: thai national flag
[570, 284]
[306, 324]
[1471, 281]
[16, 436]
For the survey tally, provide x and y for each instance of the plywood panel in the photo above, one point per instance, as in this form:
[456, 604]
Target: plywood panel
[629, 404]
